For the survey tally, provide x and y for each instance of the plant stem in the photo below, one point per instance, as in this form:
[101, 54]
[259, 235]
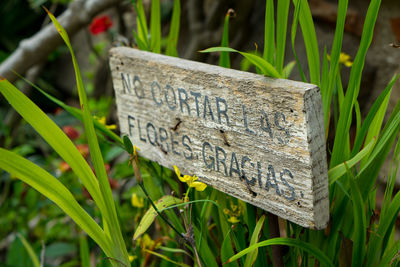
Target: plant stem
[135, 165]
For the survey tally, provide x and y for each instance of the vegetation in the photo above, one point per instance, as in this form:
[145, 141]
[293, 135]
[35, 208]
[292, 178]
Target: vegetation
[146, 225]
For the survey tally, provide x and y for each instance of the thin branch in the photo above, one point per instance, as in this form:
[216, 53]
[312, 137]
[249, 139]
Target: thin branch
[35, 49]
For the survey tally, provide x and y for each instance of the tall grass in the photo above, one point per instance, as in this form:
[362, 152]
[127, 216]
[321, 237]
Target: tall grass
[211, 228]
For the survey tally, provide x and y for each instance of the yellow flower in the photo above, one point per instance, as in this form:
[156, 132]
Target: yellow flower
[136, 201]
[199, 186]
[132, 258]
[344, 59]
[233, 219]
[146, 242]
[234, 212]
[102, 120]
[190, 180]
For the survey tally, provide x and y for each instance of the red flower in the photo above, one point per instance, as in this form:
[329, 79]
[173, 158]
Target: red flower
[63, 167]
[83, 149]
[71, 132]
[100, 24]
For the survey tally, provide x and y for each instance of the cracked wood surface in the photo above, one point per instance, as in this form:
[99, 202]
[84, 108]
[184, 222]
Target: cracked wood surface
[255, 138]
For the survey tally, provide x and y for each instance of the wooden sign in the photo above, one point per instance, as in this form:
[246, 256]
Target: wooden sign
[255, 138]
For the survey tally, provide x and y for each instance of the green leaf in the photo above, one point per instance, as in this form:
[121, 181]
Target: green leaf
[371, 115]
[376, 124]
[369, 173]
[327, 91]
[141, 25]
[84, 251]
[265, 67]
[128, 144]
[112, 227]
[51, 188]
[224, 60]
[344, 122]
[360, 224]
[386, 223]
[155, 27]
[227, 250]
[293, 39]
[204, 250]
[310, 40]
[339, 170]
[269, 32]
[166, 258]
[150, 215]
[54, 136]
[252, 256]
[288, 69]
[29, 249]
[307, 247]
[173, 36]
[281, 30]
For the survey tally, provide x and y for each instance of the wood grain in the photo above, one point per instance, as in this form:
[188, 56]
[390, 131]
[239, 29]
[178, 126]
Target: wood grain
[255, 138]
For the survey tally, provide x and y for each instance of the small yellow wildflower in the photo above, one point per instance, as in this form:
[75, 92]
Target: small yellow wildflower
[136, 201]
[190, 180]
[132, 258]
[102, 120]
[234, 212]
[344, 59]
[233, 219]
[145, 242]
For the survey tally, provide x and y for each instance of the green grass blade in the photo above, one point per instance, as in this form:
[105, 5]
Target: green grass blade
[29, 249]
[369, 173]
[354, 84]
[142, 33]
[325, 71]
[327, 91]
[173, 36]
[281, 30]
[265, 67]
[224, 60]
[227, 250]
[84, 251]
[204, 250]
[269, 32]
[307, 247]
[155, 27]
[310, 40]
[97, 160]
[376, 124]
[339, 170]
[371, 115]
[360, 224]
[54, 136]
[140, 43]
[386, 223]
[293, 39]
[391, 255]
[166, 258]
[50, 187]
[151, 214]
[252, 256]
[288, 69]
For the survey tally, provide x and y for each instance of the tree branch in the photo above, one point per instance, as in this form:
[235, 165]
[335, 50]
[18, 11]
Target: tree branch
[35, 49]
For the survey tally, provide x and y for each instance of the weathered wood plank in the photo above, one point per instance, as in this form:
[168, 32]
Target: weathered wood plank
[255, 138]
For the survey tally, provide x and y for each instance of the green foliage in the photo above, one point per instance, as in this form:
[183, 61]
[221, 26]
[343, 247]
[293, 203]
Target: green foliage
[188, 227]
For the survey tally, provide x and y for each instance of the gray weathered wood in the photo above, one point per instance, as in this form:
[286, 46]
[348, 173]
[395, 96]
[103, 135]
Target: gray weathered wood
[255, 138]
